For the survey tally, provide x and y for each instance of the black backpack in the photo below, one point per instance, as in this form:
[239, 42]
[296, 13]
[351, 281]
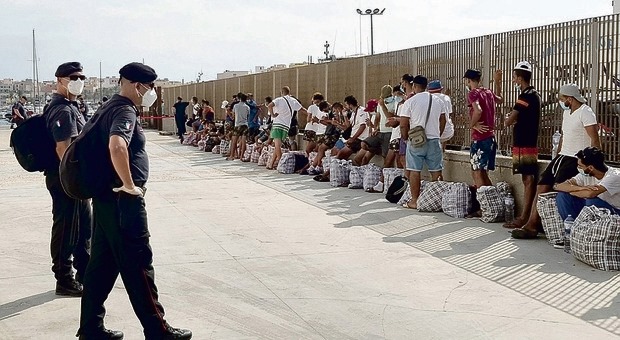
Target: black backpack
[300, 162]
[396, 189]
[86, 168]
[33, 146]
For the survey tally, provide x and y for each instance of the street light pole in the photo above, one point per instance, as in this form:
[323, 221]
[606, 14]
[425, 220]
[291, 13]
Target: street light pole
[371, 13]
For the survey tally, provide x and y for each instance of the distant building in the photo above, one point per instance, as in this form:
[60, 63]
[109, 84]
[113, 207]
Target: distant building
[231, 74]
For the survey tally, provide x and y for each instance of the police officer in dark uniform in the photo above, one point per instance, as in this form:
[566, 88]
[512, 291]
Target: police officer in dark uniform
[72, 219]
[121, 235]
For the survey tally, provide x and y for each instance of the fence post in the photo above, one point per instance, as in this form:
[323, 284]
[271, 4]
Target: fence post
[225, 89]
[414, 56]
[273, 82]
[595, 46]
[326, 78]
[486, 71]
[297, 81]
[364, 80]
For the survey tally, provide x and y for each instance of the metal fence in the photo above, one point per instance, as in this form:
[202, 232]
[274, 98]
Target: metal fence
[584, 52]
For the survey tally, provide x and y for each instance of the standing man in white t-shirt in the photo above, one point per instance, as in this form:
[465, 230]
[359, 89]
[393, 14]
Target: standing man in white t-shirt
[436, 89]
[414, 113]
[579, 130]
[281, 110]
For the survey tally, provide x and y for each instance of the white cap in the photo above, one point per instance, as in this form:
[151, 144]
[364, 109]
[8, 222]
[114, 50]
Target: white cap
[524, 66]
[224, 103]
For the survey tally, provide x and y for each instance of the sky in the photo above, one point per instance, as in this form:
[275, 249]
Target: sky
[180, 38]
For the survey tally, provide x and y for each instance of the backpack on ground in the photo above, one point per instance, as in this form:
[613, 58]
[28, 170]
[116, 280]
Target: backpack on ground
[396, 189]
[32, 145]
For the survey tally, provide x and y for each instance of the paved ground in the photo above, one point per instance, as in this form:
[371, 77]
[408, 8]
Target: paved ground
[243, 253]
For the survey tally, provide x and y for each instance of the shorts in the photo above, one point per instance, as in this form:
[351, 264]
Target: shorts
[310, 136]
[402, 147]
[278, 133]
[241, 130]
[356, 145]
[482, 154]
[395, 144]
[339, 144]
[430, 153]
[561, 169]
[379, 143]
[328, 140]
[524, 161]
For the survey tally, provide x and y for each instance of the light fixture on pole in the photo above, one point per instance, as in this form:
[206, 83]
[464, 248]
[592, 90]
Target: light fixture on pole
[371, 13]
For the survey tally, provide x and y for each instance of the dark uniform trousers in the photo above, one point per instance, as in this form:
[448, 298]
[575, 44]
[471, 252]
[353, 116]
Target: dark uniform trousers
[121, 245]
[71, 231]
[180, 121]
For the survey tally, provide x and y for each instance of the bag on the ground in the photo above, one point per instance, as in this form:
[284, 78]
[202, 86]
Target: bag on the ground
[550, 217]
[248, 153]
[264, 156]
[339, 172]
[397, 188]
[286, 165]
[224, 148]
[389, 174]
[216, 150]
[32, 145]
[595, 238]
[372, 176]
[356, 177]
[201, 145]
[255, 154]
[301, 161]
[406, 197]
[326, 162]
[491, 204]
[312, 156]
[456, 202]
[430, 198]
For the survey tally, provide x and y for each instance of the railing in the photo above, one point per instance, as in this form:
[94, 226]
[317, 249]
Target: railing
[584, 52]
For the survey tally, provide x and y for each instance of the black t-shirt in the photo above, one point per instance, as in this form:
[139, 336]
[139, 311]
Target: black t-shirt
[20, 109]
[331, 129]
[121, 119]
[180, 107]
[64, 121]
[346, 134]
[528, 120]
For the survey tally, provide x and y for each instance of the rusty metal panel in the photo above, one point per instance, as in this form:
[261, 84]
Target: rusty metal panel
[264, 87]
[286, 77]
[345, 78]
[220, 96]
[311, 80]
[247, 83]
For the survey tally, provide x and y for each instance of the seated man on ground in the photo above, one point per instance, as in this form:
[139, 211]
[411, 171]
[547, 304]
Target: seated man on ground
[596, 185]
[326, 141]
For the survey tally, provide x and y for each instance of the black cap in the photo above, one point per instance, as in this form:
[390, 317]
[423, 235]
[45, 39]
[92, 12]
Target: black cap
[66, 69]
[472, 74]
[420, 80]
[138, 72]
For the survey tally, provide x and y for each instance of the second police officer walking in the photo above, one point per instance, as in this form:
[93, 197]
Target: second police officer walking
[121, 235]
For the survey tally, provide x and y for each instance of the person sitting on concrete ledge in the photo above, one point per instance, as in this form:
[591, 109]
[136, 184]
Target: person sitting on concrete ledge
[596, 185]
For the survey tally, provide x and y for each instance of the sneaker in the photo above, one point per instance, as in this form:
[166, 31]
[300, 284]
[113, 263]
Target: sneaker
[378, 187]
[312, 171]
[105, 334]
[69, 288]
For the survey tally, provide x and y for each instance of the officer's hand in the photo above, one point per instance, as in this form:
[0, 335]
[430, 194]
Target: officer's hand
[136, 191]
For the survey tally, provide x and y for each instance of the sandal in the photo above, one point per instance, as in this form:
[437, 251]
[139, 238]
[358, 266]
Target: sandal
[524, 234]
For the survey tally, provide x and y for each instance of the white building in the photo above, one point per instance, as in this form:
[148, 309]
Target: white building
[231, 74]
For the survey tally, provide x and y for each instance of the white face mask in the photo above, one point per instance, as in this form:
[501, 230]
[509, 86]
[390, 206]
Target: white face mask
[149, 97]
[75, 87]
[582, 172]
[563, 105]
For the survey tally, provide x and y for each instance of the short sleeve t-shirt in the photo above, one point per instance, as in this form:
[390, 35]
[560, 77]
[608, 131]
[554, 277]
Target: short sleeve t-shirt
[179, 108]
[486, 99]
[416, 108]
[314, 111]
[242, 112]
[448, 131]
[574, 136]
[359, 119]
[610, 181]
[396, 131]
[121, 120]
[526, 128]
[64, 120]
[285, 115]
[320, 129]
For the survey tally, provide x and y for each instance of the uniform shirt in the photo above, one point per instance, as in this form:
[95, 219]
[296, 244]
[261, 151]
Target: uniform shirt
[285, 115]
[486, 99]
[120, 119]
[574, 135]
[64, 121]
[528, 106]
[416, 109]
[359, 119]
[610, 181]
[242, 112]
[20, 109]
[179, 108]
